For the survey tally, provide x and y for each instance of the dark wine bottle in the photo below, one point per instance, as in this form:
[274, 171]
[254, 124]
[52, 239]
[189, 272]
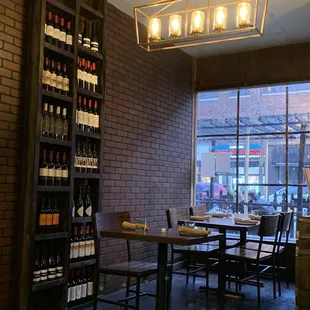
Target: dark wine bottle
[84, 284]
[82, 242]
[65, 125]
[77, 159]
[51, 118]
[89, 160]
[66, 82]
[87, 241]
[85, 115]
[79, 206]
[62, 34]
[64, 171]
[59, 266]
[79, 114]
[69, 39]
[46, 76]
[49, 28]
[51, 267]
[53, 80]
[90, 117]
[49, 216]
[81, 30]
[42, 216]
[94, 44]
[88, 206]
[43, 172]
[96, 118]
[59, 79]
[55, 227]
[51, 170]
[58, 171]
[90, 283]
[94, 78]
[73, 288]
[86, 34]
[58, 124]
[45, 125]
[37, 268]
[43, 265]
[56, 32]
[95, 160]
[83, 158]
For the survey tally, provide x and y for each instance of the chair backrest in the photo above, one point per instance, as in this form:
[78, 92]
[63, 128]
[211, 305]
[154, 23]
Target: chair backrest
[198, 210]
[176, 214]
[268, 225]
[285, 223]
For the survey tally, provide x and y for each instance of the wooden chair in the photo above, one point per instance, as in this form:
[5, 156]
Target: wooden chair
[268, 228]
[191, 252]
[129, 269]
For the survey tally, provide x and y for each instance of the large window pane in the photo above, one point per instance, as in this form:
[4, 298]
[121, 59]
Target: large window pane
[217, 113]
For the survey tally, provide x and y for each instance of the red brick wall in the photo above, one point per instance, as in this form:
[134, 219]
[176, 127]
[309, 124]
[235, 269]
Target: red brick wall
[148, 133]
[12, 29]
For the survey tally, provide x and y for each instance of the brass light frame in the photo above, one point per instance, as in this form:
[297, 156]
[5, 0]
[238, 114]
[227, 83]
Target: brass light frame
[252, 31]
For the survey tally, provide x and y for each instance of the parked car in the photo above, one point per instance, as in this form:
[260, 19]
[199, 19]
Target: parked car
[291, 190]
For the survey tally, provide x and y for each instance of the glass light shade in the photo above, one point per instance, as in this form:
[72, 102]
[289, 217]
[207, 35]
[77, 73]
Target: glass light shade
[244, 15]
[154, 30]
[175, 26]
[197, 23]
[220, 19]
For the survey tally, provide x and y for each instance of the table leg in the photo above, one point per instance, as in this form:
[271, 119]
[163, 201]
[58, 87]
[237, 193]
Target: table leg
[242, 237]
[221, 273]
[162, 261]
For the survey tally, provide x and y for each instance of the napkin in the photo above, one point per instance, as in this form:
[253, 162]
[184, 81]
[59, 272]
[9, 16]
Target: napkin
[255, 217]
[193, 231]
[132, 226]
[219, 214]
[200, 218]
[240, 220]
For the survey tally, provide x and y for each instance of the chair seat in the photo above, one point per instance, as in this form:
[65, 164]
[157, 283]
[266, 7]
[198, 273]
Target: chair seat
[265, 247]
[231, 243]
[197, 248]
[243, 253]
[131, 268]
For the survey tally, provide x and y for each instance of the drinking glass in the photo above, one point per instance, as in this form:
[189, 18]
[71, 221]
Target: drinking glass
[141, 224]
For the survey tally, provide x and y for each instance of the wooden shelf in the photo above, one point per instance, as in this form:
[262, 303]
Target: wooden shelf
[51, 236]
[89, 12]
[88, 93]
[53, 189]
[87, 175]
[82, 306]
[48, 284]
[55, 141]
[88, 134]
[83, 263]
[61, 7]
[58, 50]
[85, 219]
[54, 95]
[89, 54]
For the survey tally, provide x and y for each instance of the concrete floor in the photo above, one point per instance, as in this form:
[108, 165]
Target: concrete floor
[189, 297]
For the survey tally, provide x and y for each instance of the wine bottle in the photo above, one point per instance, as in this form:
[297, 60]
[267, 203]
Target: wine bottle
[42, 216]
[85, 115]
[96, 118]
[94, 44]
[66, 82]
[64, 171]
[59, 79]
[53, 80]
[58, 171]
[83, 158]
[84, 284]
[56, 31]
[43, 266]
[78, 286]
[87, 241]
[49, 216]
[87, 75]
[81, 30]
[45, 121]
[43, 172]
[51, 170]
[37, 268]
[94, 78]
[82, 242]
[58, 124]
[55, 216]
[49, 28]
[69, 38]
[88, 203]
[65, 125]
[46, 76]
[79, 115]
[90, 283]
[91, 122]
[51, 118]
[89, 168]
[79, 72]
[73, 288]
[69, 289]
[79, 205]
[83, 74]
[95, 160]
[77, 158]
[51, 268]
[62, 34]
[86, 34]
[59, 267]
[74, 245]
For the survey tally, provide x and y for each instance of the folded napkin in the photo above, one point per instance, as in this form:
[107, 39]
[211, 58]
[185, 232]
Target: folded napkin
[220, 214]
[246, 221]
[193, 231]
[200, 218]
[255, 217]
[132, 226]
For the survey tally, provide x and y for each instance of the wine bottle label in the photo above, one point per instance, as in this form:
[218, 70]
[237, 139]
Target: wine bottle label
[73, 293]
[86, 119]
[58, 172]
[78, 291]
[80, 211]
[80, 117]
[89, 78]
[91, 120]
[45, 26]
[96, 121]
[84, 290]
[51, 273]
[77, 161]
[47, 77]
[43, 274]
[49, 30]
[49, 219]
[94, 46]
[53, 79]
[88, 248]
[69, 39]
[80, 38]
[88, 211]
[51, 173]
[92, 248]
[59, 271]
[86, 42]
[59, 81]
[95, 79]
[65, 129]
[43, 77]
[81, 245]
[90, 288]
[56, 219]
[59, 275]
[65, 85]
[89, 162]
[95, 163]
[69, 295]
[56, 33]
[75, 250]
[71, 250]
[36, 276]
[43, 172]
[79, 75]
[62, 36]
[42, 219]
[83, 76]
[73, 211]
[64, 174]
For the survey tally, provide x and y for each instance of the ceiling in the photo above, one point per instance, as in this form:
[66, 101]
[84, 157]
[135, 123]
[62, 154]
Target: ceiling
[287, 22]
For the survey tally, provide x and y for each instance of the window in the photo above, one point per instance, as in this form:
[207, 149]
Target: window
[258, 151]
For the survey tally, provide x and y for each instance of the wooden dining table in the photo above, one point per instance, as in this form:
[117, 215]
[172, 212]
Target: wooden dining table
[171, 236]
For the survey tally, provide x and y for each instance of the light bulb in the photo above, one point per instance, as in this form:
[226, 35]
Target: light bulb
[175, 26]
[220, 19]
[154, 29]
[244, 15]
[197, 23]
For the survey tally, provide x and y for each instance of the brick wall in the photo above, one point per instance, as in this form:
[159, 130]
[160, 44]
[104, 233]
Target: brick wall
[148, 133]
[12, 28]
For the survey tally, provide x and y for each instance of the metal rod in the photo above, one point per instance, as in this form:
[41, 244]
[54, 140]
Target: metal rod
[162, 9]
[137, 26]
[286, 148]
[255, 13]
[186, 20]
[208, 18]
[264, 18]
[238, 141]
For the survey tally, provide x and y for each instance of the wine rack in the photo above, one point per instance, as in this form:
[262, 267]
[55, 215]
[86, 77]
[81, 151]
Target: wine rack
[52, 171]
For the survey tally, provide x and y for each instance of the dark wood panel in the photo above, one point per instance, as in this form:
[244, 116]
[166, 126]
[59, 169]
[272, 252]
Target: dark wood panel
[83, 263]
[48, 284]
[55, 141]
[51, 236]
